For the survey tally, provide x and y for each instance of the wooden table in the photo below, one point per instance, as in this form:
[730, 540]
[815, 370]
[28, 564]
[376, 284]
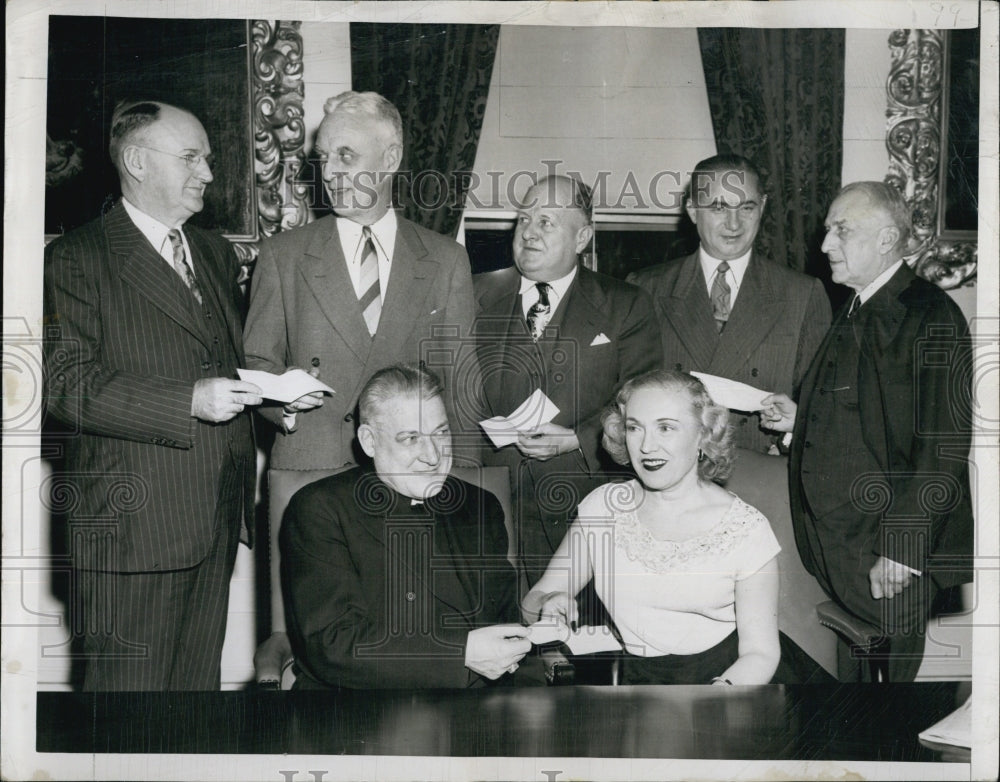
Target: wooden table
[805, 722]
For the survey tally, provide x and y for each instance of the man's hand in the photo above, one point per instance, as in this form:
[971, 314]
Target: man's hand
[496, 650]
[307, 402]
[778, 413]
[546, 441]
[217, 399]
[888, 578]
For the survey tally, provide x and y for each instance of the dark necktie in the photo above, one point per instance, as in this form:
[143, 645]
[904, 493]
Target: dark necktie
[855, 306]
[540, 312]
[371, 296]
[181, 265]
[720, 296]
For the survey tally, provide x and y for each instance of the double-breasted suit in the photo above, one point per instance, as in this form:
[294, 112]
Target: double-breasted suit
[892, 479]
[304, 312]
[382, 592]
[601, 333]
[156, 489]
[776, 323]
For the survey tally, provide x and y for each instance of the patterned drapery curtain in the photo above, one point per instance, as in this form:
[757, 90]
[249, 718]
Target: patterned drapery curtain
[438, 76]
[777, 97]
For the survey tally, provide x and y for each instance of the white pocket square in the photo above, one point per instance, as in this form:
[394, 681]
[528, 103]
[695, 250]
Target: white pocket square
[600, 339]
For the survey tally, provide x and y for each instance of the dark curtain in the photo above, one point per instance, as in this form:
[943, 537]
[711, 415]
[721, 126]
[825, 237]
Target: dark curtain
[777, 98]
[438, 76]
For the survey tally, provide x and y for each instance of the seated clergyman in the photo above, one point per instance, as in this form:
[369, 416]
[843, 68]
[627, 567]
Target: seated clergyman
[396, 576]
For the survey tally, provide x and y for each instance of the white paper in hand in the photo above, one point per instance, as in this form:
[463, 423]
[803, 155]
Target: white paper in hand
[534, 411]
[590, 639]
[545, 632]
[284, 388]
[732, 393]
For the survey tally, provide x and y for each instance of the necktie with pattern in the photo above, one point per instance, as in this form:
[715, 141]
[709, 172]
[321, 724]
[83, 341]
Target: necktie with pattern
[371, 294]
[181, 265]
[540, 312]
[720, 296]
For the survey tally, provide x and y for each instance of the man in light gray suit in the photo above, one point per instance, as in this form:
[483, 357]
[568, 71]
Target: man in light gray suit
[725, 309]
[344, 297]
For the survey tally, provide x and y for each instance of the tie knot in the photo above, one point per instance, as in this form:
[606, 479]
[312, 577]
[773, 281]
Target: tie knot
[175, 238]
[366, 232]
[722, 268]
[543, 292]
[855, 306]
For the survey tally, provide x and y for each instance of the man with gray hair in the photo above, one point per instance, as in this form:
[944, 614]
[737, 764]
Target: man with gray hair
[879, 470]
[396, 575]
[143, 340]
[342, 297]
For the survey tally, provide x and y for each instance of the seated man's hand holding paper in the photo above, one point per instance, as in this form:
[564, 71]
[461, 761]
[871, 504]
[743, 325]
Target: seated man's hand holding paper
[496, 650]
[547, 441]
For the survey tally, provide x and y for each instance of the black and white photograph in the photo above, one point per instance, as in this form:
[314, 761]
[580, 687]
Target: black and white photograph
[474, 390]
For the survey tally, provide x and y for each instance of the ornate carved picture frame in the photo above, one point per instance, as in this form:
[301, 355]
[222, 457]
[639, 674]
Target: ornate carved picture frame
[917, 92]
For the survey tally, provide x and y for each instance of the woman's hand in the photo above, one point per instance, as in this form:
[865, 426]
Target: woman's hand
[559, 607]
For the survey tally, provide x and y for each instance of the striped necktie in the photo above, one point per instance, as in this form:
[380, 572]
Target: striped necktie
[720, 296]
[181, 265]
[540, 312]
[370, 297]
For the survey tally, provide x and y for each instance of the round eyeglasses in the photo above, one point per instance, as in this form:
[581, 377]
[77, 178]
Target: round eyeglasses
[191, 159]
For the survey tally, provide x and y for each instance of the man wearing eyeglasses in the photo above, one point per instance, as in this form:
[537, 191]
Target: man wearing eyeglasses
[143, 339]
[728, 311]
[343, 297]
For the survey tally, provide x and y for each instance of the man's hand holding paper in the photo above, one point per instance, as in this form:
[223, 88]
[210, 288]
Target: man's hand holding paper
[533, 418]
[298, 389]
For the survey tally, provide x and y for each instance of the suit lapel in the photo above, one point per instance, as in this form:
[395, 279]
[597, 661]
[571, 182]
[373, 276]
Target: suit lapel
[690, 313]
[411, 275]
[501, 325]
[212, 268]
[325, 273]
[142, 268]
[751, 320]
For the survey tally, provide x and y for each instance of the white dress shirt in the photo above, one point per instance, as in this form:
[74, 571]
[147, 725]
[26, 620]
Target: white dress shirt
[384, 238]
[557, 290]
[156, 233]
[737, 268]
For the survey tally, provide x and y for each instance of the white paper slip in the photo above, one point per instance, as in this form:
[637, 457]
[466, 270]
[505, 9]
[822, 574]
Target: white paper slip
[534, 411]
[591, 639]
[545, 632]
[732, 393]
[287, 387]
[955, 729]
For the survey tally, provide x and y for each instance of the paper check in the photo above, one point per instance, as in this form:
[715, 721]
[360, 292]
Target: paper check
[534, 411]
[732, 393]
[287, 387]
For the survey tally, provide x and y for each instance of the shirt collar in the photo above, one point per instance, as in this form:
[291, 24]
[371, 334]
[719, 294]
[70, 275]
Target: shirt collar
[154, 231]
[557, 287]
[738, 266]
[383, 233]
[875, 285]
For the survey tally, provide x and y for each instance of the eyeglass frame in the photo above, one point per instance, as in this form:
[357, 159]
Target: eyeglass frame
[191, 159]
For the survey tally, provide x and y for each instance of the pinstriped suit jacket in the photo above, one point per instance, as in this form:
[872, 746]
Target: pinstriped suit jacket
[774, 329]
[124, 347]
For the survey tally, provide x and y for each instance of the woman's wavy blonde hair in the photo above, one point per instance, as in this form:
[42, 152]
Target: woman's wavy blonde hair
[717, 452]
